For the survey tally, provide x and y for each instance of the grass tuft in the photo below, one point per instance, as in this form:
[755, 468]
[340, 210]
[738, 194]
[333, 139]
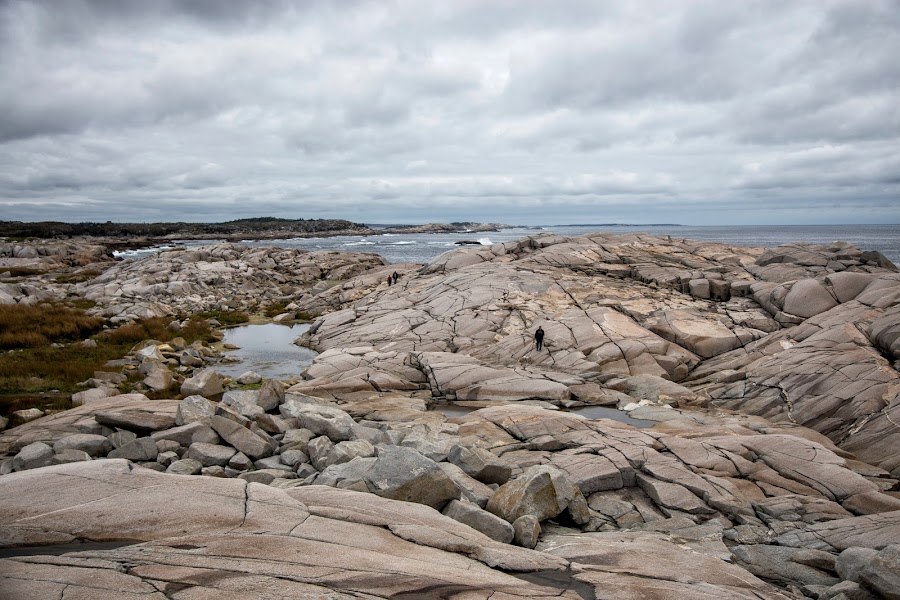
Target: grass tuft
[226, 318]
[44, 362]
[38, 325]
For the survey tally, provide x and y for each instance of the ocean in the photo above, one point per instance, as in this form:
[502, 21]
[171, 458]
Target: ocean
[424, 247]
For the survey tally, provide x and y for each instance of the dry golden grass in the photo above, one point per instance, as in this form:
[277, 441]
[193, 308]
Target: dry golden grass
[36, 366]
[39, 325]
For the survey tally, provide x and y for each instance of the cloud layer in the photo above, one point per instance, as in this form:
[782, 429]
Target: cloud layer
[407, 111]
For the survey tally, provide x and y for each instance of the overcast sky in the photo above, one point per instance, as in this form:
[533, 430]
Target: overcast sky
[521, 112]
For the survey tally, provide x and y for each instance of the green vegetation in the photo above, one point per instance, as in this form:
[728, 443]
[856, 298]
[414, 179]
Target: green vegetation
[273, 310]
[56, 229]
[227, 318]
[40, 325]
[78, 277]
[43, 362]
[16, 272]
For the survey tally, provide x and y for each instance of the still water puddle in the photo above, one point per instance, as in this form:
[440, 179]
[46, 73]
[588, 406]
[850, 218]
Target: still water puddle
[268, 350]
[60, 549]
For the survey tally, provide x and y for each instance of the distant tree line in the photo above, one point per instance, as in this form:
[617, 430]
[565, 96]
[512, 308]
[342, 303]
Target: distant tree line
[57, 229]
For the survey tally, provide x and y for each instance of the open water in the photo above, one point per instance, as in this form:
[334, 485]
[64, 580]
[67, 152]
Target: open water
[424, 247]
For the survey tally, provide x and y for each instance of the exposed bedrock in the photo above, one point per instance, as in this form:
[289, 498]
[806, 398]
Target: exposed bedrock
[771, 471]
[801, 333]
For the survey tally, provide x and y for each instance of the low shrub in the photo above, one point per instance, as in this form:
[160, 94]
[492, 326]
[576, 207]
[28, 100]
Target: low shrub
[231, 317]
[31, 326]
[273, 310]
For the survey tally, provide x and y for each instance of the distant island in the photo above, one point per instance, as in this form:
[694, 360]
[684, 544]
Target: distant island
[141, 234]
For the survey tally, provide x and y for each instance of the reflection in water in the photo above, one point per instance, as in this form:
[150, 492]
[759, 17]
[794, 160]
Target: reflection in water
[268, 350]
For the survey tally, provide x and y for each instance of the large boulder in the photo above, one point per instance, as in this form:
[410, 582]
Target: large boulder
[404, 474]
[320, 419]
[194, 408]
[807, 298]
[479, 519]
[33, 456]
[205, 383]
[541, 491]
[94, 445]
[249, 442]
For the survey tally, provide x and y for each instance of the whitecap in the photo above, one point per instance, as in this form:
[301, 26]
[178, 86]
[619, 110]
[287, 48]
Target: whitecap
[485, 241]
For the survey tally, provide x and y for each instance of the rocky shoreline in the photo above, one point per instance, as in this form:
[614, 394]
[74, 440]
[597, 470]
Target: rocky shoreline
[772, 470]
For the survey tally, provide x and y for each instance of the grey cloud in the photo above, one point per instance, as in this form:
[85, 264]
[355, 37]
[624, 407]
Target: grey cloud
[419, 111]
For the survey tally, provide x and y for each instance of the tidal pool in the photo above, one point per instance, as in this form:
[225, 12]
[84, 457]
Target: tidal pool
[266, 349]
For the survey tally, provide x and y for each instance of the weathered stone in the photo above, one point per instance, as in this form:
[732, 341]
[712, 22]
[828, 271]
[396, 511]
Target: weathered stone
[321, 420]
[94, 445]
[159, 379]
[33, 456]
[480, 464]
[850, 562]
[318, 449]
[166, 458]
[28, 414]
[541, 491]
[244, 440]
[185, 466]
[240, 462]
[210, 455]
[346, 451]
[97, 393]
[808, 298]
[776, 563]
[272, 462]
[185, 435]
[135, 420]
[249, 378]
[882, 572]
[294, 458]
[490, 525]
[140, 449]
[271, 394]
[404, 474]
[193, 409]
[470, 489]
[204, 383]
[527, 531]
[70, 455]
[120, 438]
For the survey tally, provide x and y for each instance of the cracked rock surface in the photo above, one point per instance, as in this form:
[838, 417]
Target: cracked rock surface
[768, 376]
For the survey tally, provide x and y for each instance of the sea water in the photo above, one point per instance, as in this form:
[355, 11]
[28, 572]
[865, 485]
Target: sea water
[422, 248]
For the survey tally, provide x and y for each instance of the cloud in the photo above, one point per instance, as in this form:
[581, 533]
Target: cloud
[458, 110]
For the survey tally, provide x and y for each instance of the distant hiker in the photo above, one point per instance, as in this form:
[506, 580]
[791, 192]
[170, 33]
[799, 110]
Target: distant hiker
[389, 280]
[539, 338]
[395, 276]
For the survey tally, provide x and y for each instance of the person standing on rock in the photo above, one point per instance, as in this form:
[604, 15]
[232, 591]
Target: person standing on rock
[539, 338]
[389, 280]
[395, 276]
